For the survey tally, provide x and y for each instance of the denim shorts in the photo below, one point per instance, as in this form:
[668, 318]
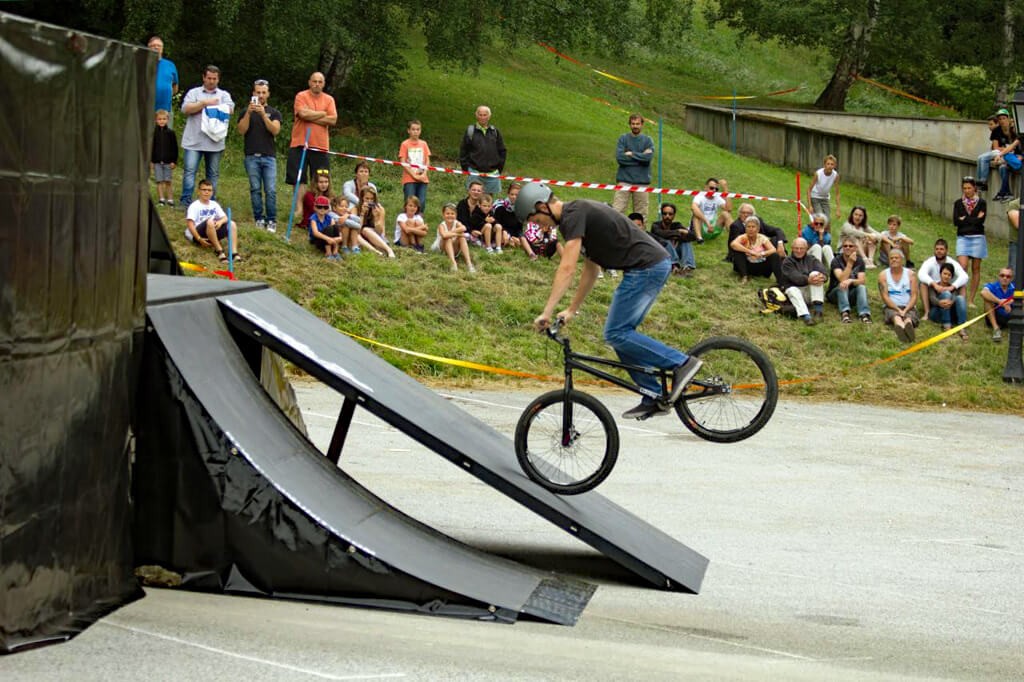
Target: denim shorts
[973, 246]
[162, 172]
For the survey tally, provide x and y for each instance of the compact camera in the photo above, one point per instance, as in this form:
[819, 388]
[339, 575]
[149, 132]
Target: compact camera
[255, 99]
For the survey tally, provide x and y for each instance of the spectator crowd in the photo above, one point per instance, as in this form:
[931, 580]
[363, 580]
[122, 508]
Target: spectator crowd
[816, 268]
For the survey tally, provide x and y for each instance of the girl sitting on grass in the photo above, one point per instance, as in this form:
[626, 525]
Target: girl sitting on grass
[410, 230]
[371, 216]
[451, 235]
[538, 241]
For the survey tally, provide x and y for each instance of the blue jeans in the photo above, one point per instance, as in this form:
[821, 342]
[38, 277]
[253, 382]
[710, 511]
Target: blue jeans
[631, 302]
[262, 172]
[418, 190]
[686, 257]
[984, 164]
[945, 315]
[492, 185]
[188, 180]
[680, 254]
[841, 297]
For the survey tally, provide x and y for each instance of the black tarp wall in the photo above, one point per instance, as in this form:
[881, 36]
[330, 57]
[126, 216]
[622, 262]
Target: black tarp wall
[74, 143]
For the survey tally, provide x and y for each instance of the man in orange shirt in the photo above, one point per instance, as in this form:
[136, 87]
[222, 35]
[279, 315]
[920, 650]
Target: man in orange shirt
[314, 111]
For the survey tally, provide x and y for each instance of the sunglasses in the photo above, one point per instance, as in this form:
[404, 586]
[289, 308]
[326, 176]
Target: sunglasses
[260, 82]
[713, 189]
[818, 224]
[849, 246]
[1005, 276]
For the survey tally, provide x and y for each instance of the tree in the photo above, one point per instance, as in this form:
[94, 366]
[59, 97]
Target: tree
[357, 45]
[853, 57]
[861, 36]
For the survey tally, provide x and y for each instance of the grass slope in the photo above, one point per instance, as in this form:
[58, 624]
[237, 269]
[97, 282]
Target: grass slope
[556, 127]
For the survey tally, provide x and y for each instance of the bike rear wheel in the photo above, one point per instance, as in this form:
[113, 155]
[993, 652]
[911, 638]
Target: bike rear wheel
[733, 395]
[569, 460]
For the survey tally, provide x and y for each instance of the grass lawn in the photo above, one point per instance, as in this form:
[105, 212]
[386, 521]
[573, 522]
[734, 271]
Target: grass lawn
[557, 126]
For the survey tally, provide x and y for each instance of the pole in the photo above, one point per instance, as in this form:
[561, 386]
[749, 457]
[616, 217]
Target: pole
[660, 147]
[733, 146]
[1014, 371]
[231, 251]
[799, 216]
[295, 192]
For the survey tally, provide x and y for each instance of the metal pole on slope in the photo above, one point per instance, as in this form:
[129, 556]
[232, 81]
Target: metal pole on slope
[295, 192]
[660, 199]
[231, 251]
[799, 216]
[733, 146]
[1014, 371]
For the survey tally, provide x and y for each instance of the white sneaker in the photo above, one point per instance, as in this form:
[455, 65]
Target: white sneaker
[261, 224]
[614, 273]
[472, 269]
[997, 336]
[497, 249]
[600, 275]
[271, 226]
[490, 249]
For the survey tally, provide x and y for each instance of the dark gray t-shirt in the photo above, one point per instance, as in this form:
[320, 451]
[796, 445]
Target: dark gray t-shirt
[258, 139]
[610, 239]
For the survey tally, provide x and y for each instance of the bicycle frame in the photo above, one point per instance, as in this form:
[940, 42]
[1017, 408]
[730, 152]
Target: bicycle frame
[573, 361]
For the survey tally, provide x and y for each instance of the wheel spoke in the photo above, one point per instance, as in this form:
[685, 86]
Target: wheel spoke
[567, 463]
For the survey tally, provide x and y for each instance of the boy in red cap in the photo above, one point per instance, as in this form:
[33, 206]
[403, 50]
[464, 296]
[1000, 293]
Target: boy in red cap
[323, 229]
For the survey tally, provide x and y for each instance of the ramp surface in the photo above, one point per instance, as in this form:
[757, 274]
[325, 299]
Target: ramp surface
[259, 509]
[336, 360]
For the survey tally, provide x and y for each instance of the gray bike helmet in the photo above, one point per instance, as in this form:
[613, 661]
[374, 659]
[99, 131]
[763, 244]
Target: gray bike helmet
[529, 196]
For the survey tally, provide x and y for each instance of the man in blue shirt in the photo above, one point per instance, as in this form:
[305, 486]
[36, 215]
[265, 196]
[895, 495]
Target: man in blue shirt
[998, 296]
[166, 78]
[633, 153]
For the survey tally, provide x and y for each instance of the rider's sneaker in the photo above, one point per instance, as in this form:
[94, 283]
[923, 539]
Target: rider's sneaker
[645, 410]
[681, 376]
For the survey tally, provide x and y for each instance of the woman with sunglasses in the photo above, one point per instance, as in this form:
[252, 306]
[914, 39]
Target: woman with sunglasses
[819, 238]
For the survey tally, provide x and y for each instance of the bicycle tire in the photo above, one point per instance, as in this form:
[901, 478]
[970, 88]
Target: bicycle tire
[580, 465]
[742, 391]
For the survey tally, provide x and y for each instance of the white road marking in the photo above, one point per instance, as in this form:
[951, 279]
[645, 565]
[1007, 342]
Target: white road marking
[252, 659]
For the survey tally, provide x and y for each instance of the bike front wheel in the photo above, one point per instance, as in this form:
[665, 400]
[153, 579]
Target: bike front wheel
[733, 395]
[567, 446]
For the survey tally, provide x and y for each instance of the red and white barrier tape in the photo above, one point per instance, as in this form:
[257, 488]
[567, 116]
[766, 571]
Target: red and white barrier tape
[575, 184]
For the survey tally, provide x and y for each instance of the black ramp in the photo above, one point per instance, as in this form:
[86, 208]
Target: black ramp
[285, 521]
[319, 349]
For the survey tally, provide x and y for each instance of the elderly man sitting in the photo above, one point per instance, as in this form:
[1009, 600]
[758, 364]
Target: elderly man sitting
[803, 281]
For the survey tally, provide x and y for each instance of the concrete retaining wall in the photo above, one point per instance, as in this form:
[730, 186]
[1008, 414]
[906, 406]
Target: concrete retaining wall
[925, 177]
[958, 137]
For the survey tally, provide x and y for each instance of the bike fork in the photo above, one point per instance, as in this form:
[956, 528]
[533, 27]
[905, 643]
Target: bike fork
[567, 426]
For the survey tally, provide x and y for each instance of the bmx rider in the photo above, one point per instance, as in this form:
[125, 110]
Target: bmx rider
[609, 240]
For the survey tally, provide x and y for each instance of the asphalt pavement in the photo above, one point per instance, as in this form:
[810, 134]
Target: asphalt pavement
[846, 543]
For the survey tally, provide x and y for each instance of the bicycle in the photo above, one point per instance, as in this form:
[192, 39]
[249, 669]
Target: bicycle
[567, 441]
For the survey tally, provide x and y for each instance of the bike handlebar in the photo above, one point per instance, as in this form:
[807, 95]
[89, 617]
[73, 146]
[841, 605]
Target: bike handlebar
[554, 327]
